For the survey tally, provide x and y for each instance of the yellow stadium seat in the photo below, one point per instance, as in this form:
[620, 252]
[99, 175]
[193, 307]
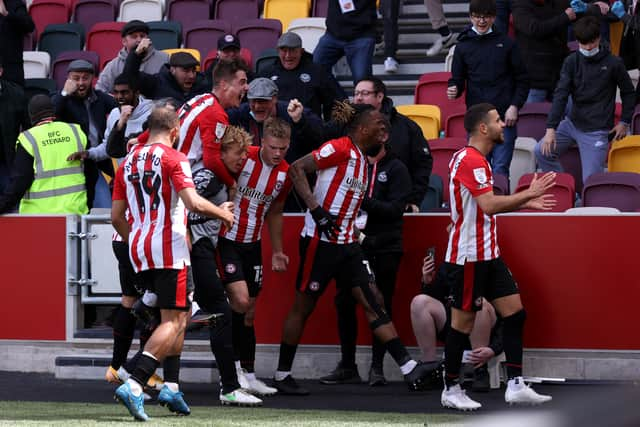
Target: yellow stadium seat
[426, 116]
[194, 52]
[624, 155]
[615, 36]
[286, 10]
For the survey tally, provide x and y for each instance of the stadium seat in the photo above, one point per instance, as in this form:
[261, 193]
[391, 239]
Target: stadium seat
[165, 34]
[310, 30]
[426, 116]
[572, 164]
[58, 38]
[47, 12]
[194, 52]
[89, 12]
[144, 10]
[203, 35]
[105, 39]
[635, 121]
[237, 11]
[29, 41]
[617, 113]
[523, 161]
[500, 184]
[615, 36]
[620, 190]
[265, 59]
[189, 11]
[433, 198]
[285, 11]
[60, 65]
[624, 155]
[319, 8]
[592, 210]
[259, 34]
[39, 86]
[564, 191]
[432, 89]
[442, 150]
[455, 125]
[532, 120]
[36, 64]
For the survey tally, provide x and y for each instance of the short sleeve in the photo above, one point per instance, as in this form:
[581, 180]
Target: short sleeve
[119, 188]
[180, 172]
[330, 154]
[475, 174]
[286, 187]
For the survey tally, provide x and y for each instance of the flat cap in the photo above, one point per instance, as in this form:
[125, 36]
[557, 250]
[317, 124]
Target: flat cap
[289, 39]
[183, 60]
[80, 65]
[262, 88]
[134, 27]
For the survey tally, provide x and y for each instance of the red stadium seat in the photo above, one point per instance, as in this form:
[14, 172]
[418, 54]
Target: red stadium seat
[45, 12]
[442, 150]
[432, 89]
[105, 39]
[454, 127]
[564, 191]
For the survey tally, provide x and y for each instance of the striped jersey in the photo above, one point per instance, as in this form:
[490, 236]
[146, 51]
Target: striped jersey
[259, 185]
[340, 186]
[203, 123]
[473, 235]
[149, 180]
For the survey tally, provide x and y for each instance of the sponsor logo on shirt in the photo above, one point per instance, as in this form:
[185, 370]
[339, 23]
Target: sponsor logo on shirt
[252, 193]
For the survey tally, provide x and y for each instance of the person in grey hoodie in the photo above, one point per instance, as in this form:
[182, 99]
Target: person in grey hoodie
[133, 33]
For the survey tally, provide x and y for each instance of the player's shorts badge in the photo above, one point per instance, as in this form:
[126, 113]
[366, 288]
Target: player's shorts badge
[314, 286]
[230, 268]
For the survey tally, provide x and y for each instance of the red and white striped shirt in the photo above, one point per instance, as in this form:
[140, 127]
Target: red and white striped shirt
[203, 122]
[473, 235]
[340, 187]
[149, 180]
[259, 185]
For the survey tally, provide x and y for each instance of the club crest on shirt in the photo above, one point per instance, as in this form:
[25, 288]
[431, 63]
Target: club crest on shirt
[382, 176]
[278, 185]
[220, 130]
[480, 175]
[478, 302]
[305, 78]
[327, 150]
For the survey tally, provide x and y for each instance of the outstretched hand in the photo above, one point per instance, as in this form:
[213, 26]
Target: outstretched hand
[546, 202]
[540, 184]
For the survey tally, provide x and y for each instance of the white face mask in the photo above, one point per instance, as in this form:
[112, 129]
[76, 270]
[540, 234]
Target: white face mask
[589, 53]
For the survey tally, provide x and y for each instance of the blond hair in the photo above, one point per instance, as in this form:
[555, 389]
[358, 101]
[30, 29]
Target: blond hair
[235, 135]
[276, 128]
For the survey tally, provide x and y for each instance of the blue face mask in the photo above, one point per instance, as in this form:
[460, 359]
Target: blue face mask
[589, 53]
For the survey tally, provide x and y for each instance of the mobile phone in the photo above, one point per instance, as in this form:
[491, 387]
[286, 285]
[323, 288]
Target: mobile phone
[431, 252]
[465, 356]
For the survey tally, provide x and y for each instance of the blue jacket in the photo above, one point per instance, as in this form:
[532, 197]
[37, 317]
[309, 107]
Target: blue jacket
[490, 68]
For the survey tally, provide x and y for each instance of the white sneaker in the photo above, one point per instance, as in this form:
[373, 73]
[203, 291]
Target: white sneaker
[242, 379]
[442, 43]
[239, 397]
[456, 398]
[260, 388]
[519, 392]
[390, 65]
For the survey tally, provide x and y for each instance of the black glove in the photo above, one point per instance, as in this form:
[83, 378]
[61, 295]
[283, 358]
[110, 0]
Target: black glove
[325, 222]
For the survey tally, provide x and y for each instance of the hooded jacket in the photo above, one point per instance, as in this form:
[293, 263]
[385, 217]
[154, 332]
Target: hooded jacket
[491, 70]
[359, 23]
[151, 64]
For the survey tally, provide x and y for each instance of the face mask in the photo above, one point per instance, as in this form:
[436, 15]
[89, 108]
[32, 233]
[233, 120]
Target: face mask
[374, 150]
[589, 53]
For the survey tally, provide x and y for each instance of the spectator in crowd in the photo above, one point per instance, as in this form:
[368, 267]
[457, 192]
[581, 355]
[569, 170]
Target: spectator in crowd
[439, 24]
[15, 23]
[591, 76]
[178, 79]
[431, 320]
[351, 32]
[630, 44]
[390, 10]
[488, 65]
[299, 78]
[599, 9]
[78, 102]
[229, 49]
[42, 176]
[133, 33]
[13, 116]
[473, 266]
[380, 223]
[503, 15]
[541, 34]
[405, 138]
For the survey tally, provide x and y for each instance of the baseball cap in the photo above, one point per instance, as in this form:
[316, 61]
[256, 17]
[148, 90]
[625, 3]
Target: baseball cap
[262, 88]
[228, 40]
[80, 65]
[289, 39]
[134, 27]
[183, 60]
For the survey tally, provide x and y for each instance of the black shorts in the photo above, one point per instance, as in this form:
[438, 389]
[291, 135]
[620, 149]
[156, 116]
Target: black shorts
[173, 287]
[471, 282]
[321, 261]
[241, 262]
[130, 283]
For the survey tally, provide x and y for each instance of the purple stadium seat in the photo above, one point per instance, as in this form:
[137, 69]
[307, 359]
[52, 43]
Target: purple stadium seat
[188, 11]
[259, 34]
[442, 150]
[564, 191]
[454, 127]
[203, 35]
[532, 119]
[432, 89]
[59, 67]
[319, 8]
[29, 41]
[572, 164]
[620, 190]
[90, 12]
[237, 11]
[635, 121]
[500, 184]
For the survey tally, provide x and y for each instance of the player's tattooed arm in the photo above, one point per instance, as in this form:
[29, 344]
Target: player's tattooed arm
[298, 172]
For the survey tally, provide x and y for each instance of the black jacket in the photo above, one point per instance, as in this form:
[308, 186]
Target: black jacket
[541, 34]
[308, 82]
[306, 135]
[491, 70]
[13, 115]
[162, 84]
[13, 28]
[592, 84]
[630, 43]
[353, 25]
[385, 207]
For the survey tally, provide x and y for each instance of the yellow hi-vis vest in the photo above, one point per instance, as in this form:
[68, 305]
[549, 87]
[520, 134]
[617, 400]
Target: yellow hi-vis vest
[58, 185]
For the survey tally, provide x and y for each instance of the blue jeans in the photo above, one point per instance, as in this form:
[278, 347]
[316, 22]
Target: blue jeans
[359, 53]
[593, 147]
[102, 198]
[500, 156]
[539, 95]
